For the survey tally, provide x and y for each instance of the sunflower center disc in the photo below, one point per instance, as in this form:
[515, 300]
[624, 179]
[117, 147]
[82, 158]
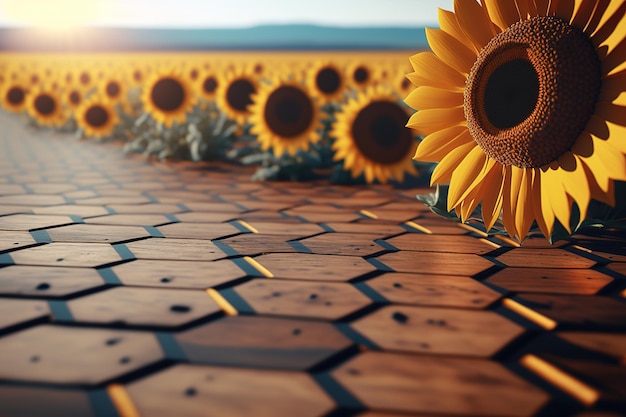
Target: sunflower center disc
[112, 89]
[44, 104]
[288, 112]
[96, 116]
[168, 94]
[239, 94]
[209, 85]
[328, 80]
[379, 132]
[361, 75]
[74, 97]
[15, 95]
[532, 91]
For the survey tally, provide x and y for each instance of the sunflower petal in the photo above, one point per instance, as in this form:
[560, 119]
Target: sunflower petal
[502, 13]
[604, 161]
[437, 145]
[615, 81]
[594, 19]
[583, 12]
[432, 71]
[431, 120]
[541, 204]
[517, 175]
[444, 169]
[551, 181]
[609, 22]
[448, 23]
[523, 8]
[562, 8]
[464, 175]
[426, 97]
[611, 113]
[491, 189]
[507, 212]
[450, 50]
[542, 7]
[575, 182]
[474, 22]
[467, 208]
[524, 215]
[615, 60]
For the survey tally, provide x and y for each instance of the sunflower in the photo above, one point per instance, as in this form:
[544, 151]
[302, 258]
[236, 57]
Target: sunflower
[72, 97]
[113, 88]
[360, 75]
[168, 97]
[97, 117]
[43, 105]
[85, 78]
[14, 96]
[371, 138]
[327, 82]
[285, 117]
[522, 104]
[234, 94]
[208, 83]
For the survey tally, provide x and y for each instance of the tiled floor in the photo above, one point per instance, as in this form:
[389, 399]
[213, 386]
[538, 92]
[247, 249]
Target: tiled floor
[131, 288]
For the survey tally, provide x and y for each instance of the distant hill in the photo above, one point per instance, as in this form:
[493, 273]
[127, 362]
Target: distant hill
[278, 37]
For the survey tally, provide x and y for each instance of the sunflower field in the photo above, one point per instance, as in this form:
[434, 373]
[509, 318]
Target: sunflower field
[296, 116]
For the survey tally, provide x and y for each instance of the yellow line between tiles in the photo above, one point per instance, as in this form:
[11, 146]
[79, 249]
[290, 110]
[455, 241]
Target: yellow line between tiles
[577, 389]
[254, 264]
[490, 243]
[530, 314]
[122, 401]
[221, 302]
[247, 226]
[418, 227]
[368, 214]
[473, 229]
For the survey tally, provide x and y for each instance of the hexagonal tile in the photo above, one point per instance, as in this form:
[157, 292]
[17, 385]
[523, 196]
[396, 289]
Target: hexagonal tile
[72, 210]
[10, 240]
[130, 219]
[32, 221]
[544, 258]
[196, 391]
[204, 217]
[143, 307]
[439, 243]
[175, 249]
[263, 342]
[331, 300]
[313, 267]
[302, 230]
[610, 344]
[14, 312]
[47, 281]
[67, 254]
[93, 233]
[323, 214]
[465, 264]
[438, 330]
[358, 244]
[381, 229]
[206, 231]
[72, 355]
[177, 274]
[255, 244]
[550, 280]
[619, 267]
[50, 187]
[32, 200]
[433, 290]
[151, 208]
[419, 384]
[44, 402]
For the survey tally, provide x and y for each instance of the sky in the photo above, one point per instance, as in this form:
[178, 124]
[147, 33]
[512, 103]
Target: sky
[67, 14]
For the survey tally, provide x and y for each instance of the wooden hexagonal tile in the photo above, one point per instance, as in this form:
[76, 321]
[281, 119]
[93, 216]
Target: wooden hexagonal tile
[302, 230]
[442, 331]
[313, 267]
[433, 290]
[177, 274]
[73, 210]
[263, 342]
[255, 244]
[206, 231]
[16, 401]
[14, 311]
[151, 208]
[10, 240]
[32, 200]
[442, 263]
[32, 221]
[175, 249]
[204, 217]
[143, 307]
[94, 233]
[47, 281]
[610, 344]
[544, 258]
[331, 300]
[195, 391]
[383, 230]
[352, 244]
[72, 355]
[550, 280]
[130, 219]
[439, 243]
[419, 384]
[67, 254]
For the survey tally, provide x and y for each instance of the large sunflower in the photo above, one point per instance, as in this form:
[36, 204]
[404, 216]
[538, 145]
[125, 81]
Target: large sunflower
[44, 105]
[523, 106]
[285, 117]
[371, 138]
[234, 94]
[97, 117]
[14, 96]
[327, 82]
[168, 97]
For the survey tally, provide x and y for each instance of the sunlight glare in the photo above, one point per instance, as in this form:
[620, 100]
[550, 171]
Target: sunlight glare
[57, 14]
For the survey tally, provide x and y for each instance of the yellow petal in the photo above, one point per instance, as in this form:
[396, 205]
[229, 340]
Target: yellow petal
[467, 208]
[491, 189]
[609, 22]
[474, 22]
[583, 12]
[448, 23]
[474, 186]
[432, 71]
[615, 82]
[575, 181]
[551, 182]
[507, 213]
[437, 145]
[615, 60]
[611, 113]
[542, 7]
[431, 120]
[443, 171]
[450, 50]
[524, 215]
[562, 8]
[604, 160]
[465, 174]
[541, 203]
[512, 197]
[594, 19]
[502, 13]
[426, 97]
